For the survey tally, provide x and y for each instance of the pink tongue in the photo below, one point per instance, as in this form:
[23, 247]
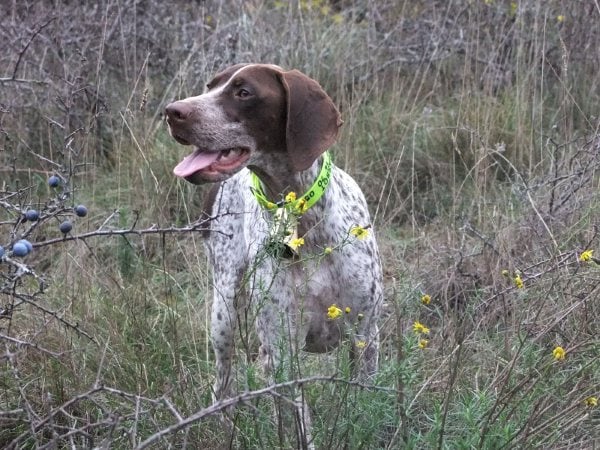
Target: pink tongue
[195, 162]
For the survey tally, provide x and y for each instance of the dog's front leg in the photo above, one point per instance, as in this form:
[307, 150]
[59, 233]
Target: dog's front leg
[223, 325]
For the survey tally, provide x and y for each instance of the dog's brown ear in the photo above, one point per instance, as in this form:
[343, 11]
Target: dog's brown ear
[313, 121]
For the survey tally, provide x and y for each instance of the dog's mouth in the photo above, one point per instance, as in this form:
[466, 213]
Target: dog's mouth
[208, 165]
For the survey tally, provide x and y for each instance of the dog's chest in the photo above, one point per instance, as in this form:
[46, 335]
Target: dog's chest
[328, 267]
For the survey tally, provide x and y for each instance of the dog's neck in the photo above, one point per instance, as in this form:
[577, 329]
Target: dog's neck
[279, 178]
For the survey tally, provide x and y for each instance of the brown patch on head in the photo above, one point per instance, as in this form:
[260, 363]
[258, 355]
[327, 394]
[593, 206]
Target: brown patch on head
[222, 77]
[255, 97]
[281, 109]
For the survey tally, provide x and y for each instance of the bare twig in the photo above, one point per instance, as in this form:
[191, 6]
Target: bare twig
[21, 80]
[32, 37]
[56, 315]
[33, 345]
[200, 226]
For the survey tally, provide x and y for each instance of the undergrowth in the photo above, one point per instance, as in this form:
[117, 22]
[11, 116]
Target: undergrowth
[472, 128]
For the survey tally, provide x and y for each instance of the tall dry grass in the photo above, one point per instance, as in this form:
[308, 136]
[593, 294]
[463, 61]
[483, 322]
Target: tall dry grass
[472, 127]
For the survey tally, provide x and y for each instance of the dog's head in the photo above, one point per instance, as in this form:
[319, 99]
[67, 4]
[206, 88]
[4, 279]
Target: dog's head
[249, 114]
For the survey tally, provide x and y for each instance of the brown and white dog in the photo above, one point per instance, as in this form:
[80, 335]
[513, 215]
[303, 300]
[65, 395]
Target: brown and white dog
[260, 118]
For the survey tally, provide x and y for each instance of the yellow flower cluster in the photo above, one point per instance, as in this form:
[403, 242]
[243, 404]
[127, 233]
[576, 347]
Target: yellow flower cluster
[559, 353]
[419, 328]
[423, 343]
[591, 402]
[301, 206]
[518, 282]
[294, 205]
[359, 232]
[360, 344]
[586, 255]
[426, 299]
[290, 198]
[295, 243]
[333, 312]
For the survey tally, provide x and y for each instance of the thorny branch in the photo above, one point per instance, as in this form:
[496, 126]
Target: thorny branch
[97, 393]
[20, 270]
[22, 52]
[200, 226]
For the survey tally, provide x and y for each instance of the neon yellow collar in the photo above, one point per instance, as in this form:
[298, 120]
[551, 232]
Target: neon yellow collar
[300, 204]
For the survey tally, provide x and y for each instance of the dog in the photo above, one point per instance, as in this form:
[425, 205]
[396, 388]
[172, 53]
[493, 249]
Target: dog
[291, 243]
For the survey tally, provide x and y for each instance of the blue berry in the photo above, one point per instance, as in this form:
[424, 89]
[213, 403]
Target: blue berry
[81, 210]
[1, 252]
[32, 215]
[20, 249]
[54, 181]
[65, 227]
[27, 244]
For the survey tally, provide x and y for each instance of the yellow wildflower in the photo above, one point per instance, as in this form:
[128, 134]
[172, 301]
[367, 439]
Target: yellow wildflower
[333, 312]
[301, 206]
[560, 18]
[505, 273]
[337, 18]
[361, 344]
[559, 353]
[271, 205]
[347, 310]
[591, 402]
[327, 250]
[586, 255]
[291, 197]
[295, 243]
[359, 232]
[426, 299]
[518, 282]
[423, 343]
[419, 328]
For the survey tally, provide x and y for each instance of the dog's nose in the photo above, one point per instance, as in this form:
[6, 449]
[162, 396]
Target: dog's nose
[178, 111]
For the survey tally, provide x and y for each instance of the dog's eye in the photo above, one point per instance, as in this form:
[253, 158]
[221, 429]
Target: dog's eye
[242, 93]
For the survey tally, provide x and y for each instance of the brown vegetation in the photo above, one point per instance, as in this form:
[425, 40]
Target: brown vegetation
[472, 126]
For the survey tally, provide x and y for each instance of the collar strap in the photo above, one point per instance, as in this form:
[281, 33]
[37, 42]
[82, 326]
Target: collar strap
[301, 204]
